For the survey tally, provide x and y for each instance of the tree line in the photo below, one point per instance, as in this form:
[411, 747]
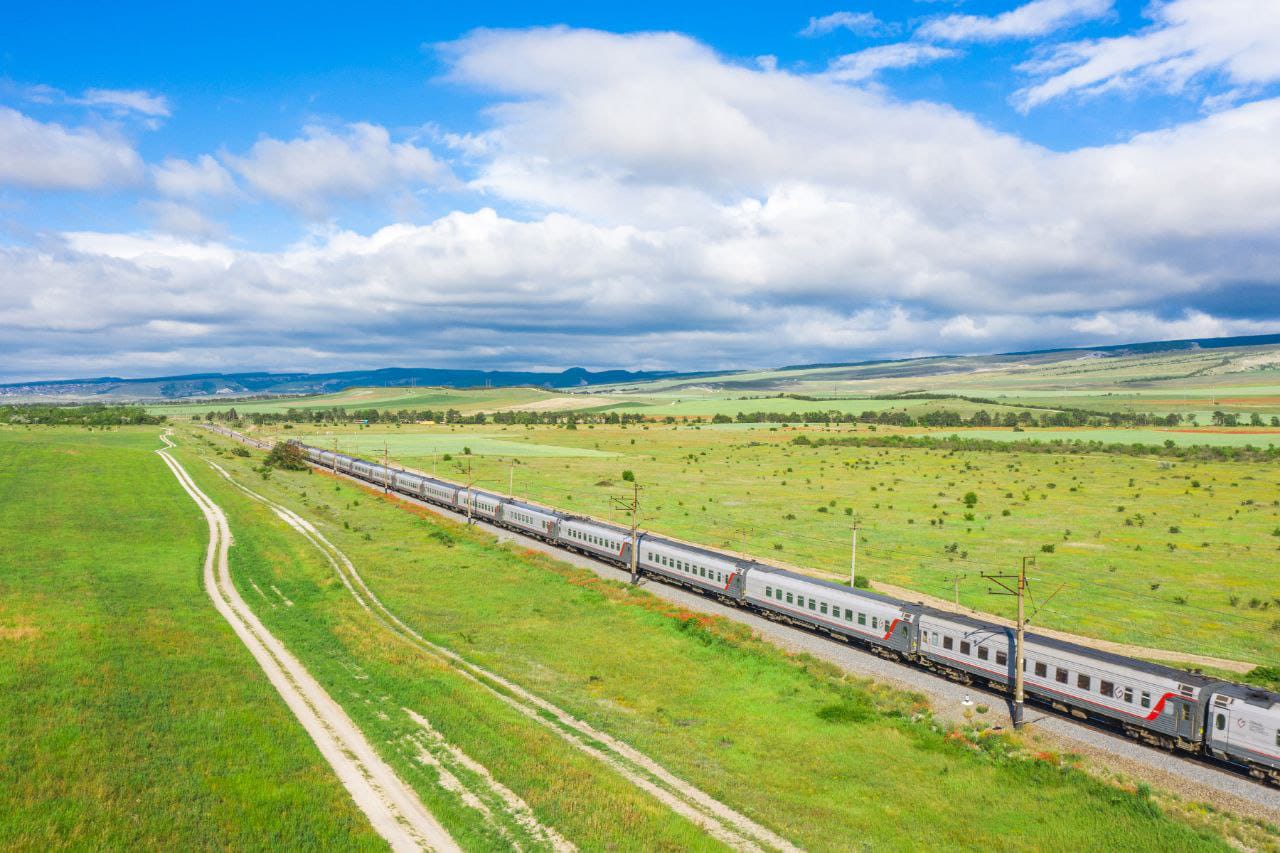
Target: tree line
[92, 414]
[1190, 453]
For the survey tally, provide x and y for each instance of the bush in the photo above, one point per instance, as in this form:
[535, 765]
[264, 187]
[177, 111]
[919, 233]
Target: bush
[1048, 549]
[287, 457]
[240, 451]
[970, 499]
[862, 582]
[629, 476]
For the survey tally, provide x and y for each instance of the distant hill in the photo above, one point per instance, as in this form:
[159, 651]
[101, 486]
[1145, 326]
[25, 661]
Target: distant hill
[218, 385]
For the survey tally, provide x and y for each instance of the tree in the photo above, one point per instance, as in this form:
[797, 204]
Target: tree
[970, 499]
[629, 476]
[287, 456]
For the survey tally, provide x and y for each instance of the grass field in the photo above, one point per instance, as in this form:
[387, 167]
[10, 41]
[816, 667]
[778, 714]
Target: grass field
[132, 716]
[1157, 553]
[826, 761]
[370, 398]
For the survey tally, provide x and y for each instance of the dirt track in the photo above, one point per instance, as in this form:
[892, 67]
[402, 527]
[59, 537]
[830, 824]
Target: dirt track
[393, 808]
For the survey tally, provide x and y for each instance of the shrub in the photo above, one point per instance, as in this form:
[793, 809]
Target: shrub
[240, 451]
[970, 499]
[1048, 549]
[629, 476]
[862, 582]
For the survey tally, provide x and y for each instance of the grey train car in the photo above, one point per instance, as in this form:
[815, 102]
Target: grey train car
[877, 620]
[688, 565]
[1232, 723]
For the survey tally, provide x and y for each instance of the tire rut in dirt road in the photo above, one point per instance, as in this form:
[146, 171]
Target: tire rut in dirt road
[393, 808]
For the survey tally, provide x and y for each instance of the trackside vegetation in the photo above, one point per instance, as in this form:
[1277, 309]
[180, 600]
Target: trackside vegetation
[132, 716]
[825, 760]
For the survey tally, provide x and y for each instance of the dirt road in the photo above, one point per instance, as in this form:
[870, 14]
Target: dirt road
[393, 808]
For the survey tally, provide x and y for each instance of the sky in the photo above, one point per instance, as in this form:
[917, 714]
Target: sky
[683, 186]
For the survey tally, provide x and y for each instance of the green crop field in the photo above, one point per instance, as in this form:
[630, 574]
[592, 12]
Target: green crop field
[1159, 553]
[824, 760]
[370, 398]
[132, 716]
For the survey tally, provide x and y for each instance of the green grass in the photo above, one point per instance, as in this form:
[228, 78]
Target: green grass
[369, 398]
[398, 443]
[1107, 518]
[132, 715]
[1157, 437]
[825, 760]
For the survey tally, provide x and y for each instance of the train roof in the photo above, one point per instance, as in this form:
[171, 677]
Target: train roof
[1182, 675]
[519, 504]
[1252, 694]
[694, 549]
[839, 587]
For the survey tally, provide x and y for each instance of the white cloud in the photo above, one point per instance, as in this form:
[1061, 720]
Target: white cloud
[39, 155]
[127, 100]
[861, 23]
[1031, 19]
[186, 179]
[323, 165]
[856, 67]
[1189, 39]
[174, 218]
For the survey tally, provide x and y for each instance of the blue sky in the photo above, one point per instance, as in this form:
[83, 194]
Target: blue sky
[675, 185]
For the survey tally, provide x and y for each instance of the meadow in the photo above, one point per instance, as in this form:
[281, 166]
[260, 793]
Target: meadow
[1159, 553]
[825, 760]
[132, 715]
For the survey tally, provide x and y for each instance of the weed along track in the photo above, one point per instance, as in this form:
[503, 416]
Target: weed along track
[717, 819]
[393, 808]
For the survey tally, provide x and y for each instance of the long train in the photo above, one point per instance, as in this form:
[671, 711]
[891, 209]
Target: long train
[1236, 724]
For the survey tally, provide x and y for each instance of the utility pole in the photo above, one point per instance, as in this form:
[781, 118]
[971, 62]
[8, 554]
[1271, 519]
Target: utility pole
[632, 506]
[956, 580]
[1018, 589]
[386, 470]
[853, 558]
[471, 498]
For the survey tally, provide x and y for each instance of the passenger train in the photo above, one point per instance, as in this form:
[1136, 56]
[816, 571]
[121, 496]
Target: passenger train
[1170, 708]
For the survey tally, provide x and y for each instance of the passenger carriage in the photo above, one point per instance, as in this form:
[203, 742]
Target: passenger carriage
[1244, 728]
[878, 620]
[531, 519]
[591, 537]
[481, 504]
[692, 566]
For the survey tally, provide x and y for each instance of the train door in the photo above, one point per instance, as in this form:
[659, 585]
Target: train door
[1186, 723]
[1220, 718]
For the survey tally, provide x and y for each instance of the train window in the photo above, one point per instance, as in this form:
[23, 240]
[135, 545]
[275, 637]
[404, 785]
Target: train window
[875, 621]
[848, 615]
[1042, 670]
[862, 618]
[1146, 699]
[788, 598]
[822, 608]
[1128, 694]
[1002, 658]
[1186, 715]
[1107, 689]
[1061, 675]
[768, 592]
[983, 654]
[1082, 681]
[964, 647]
[946, 642]
[812, 604]
[1220, 722]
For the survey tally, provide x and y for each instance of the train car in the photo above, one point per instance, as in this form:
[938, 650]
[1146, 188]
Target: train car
[1244, 728]
[529, 519]
[692, 566]
[592, 537]
[481, 504]
[966, 647]
[440, 492]
[410, 484]
[852, 614]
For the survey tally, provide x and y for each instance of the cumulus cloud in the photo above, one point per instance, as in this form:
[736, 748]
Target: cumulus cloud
[187, 179]
[680, 210]
[1032, 19]
[1188, 40]
[39, 155]
[323, 165]
[865, 64]
[860, 23]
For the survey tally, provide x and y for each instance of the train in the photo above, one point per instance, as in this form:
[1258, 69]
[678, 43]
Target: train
[1177, 710]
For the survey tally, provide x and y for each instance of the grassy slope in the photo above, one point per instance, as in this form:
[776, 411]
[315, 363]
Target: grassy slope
[132, 715]
[825, 760]
[736, 487]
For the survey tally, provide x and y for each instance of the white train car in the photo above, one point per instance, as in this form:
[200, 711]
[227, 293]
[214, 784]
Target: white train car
[691, 566]
[531, 519]
[1244, 728]
[851, 613]
[580, 534]
[481, 504]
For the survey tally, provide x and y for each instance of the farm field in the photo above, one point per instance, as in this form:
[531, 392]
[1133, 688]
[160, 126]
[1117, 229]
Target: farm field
[133, 717]
[370, 398]
[1167, 554]
[818, 758]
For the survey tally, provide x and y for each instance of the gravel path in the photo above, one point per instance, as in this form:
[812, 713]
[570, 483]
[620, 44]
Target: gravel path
[393, 808]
